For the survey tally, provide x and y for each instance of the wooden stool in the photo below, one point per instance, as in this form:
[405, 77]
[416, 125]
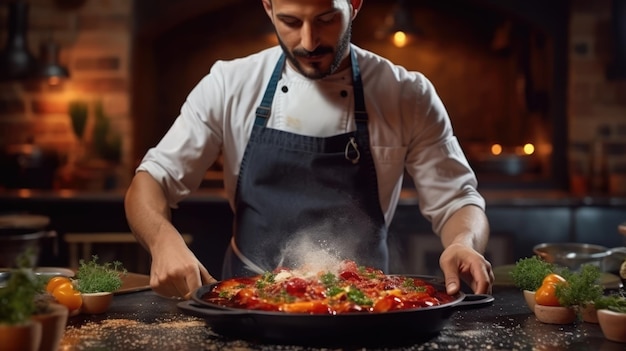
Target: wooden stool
[86, 240]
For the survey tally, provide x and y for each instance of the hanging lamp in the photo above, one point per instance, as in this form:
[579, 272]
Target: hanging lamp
[16, 61]
[49, 67]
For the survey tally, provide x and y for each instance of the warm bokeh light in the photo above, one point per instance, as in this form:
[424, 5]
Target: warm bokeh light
[23, 192]
[54, 80]
[496, 149]
[400, 39]
[529, 149]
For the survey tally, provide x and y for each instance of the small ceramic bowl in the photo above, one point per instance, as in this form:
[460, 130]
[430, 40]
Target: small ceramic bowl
[53, 324]
[96, 303]
[555, 314]
[613, 325]
[529, 296]
[589, 313]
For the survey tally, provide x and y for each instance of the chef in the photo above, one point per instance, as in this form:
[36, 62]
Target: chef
[316, 135]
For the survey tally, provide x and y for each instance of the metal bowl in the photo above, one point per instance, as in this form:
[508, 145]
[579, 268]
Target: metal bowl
[572, 255]
[43, 273]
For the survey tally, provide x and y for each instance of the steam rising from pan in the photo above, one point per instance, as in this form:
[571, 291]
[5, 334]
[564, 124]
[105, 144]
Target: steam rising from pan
[322, 247]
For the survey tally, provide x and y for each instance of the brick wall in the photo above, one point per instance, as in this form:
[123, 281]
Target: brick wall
[597, 105]
[95, 46]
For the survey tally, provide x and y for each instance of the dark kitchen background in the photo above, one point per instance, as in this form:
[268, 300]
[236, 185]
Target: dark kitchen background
[536, 91]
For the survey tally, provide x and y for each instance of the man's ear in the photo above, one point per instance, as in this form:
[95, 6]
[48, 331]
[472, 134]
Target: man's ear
[267, 5]
[356, 7]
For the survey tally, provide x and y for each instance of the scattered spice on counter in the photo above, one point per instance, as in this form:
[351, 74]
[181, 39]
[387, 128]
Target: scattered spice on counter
[164, 334]
[128, 334]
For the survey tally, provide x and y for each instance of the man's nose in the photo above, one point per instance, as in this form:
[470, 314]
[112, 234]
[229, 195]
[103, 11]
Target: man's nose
[309, 37]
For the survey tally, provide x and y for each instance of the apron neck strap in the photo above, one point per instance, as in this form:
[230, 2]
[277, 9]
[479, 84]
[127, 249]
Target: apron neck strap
[360, 114]
[264, 111]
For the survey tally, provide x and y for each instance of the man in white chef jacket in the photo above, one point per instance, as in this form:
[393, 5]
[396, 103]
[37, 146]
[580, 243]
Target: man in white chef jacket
[316, 135]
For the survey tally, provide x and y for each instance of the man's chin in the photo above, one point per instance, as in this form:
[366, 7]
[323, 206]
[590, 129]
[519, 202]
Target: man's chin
[315, 74]
[312, 71]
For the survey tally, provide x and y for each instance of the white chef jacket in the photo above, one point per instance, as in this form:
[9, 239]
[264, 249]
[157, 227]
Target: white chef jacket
[408, 125]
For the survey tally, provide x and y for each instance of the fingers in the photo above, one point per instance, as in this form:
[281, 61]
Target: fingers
[169, 288]
[451, 277]
[206, 277]
[195, 279]
[180, 283]
[468, 265]
[481, 278]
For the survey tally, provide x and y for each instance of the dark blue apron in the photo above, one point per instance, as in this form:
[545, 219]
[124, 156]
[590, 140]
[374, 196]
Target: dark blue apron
[298, 192]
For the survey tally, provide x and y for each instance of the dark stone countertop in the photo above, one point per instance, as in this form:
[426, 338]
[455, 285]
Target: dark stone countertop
[146, 321]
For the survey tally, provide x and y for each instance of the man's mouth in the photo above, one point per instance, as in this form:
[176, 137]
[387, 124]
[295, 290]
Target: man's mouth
[314, 55]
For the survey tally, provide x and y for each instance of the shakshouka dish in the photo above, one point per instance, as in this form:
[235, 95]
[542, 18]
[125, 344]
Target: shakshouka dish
[351, 289]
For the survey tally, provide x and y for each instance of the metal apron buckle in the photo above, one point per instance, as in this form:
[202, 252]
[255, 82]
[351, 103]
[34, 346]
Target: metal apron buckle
[352, 143]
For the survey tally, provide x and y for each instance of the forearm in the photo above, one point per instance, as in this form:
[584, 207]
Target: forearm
[469, 227]
[147, 211]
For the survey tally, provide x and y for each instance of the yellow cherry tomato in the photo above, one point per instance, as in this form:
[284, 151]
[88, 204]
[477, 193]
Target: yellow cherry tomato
[67, 296]
[56, 281]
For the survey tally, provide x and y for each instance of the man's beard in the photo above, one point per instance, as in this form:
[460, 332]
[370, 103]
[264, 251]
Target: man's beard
[317, 73]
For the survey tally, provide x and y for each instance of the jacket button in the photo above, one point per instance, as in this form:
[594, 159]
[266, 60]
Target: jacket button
[344, 93]
[284, 89]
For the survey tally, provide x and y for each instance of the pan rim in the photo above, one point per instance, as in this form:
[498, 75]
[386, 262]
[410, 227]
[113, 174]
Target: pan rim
[433, 280]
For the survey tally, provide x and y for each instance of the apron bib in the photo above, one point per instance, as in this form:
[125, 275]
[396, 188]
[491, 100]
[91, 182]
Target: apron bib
[300, 197]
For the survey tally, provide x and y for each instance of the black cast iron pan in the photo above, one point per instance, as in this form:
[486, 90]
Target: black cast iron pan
[327, 330]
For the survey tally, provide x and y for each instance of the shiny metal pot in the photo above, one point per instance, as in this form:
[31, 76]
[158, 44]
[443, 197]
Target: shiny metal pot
[19, 233]
[572, 255]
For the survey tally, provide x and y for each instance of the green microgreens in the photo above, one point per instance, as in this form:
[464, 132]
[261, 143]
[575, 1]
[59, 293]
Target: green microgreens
[409, 284]
[357, 296]
[330, 281]
[266, 279]
[528, 273]
[95, 277]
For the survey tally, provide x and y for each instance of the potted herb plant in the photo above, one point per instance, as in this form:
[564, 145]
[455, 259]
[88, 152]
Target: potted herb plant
[582, 290]
[528, 274]
[17, 304]
[97, 282]
[612, 317]
[29, 318]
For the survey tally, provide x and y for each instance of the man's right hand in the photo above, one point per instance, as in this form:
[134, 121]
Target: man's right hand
[176, 272]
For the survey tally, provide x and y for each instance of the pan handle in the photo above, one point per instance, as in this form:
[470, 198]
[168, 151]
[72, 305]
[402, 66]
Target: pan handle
[476, 300]
[197, 310]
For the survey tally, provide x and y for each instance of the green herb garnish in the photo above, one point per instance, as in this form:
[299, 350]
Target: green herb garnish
[409, 284]
[331, 282]
[266, 279]
[334, 291]
[357, 296]
[329, 279]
